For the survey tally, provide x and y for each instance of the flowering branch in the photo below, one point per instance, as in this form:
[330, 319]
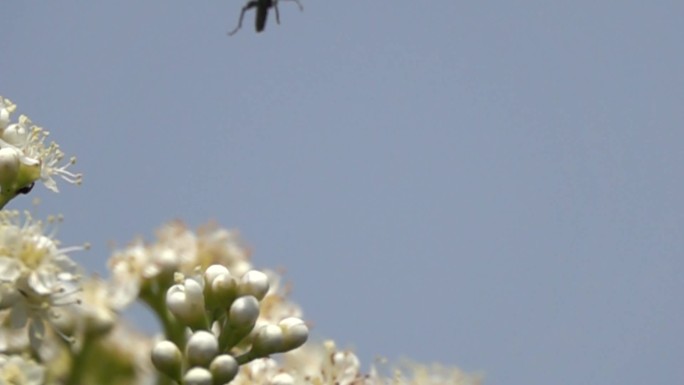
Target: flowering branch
[222, 320]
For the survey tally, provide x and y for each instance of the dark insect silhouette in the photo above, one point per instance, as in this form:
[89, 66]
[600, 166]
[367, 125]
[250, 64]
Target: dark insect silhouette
[262, 8]
[26, 189]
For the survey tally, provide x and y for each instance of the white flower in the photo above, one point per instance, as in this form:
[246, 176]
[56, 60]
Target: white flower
[94, 314]
[129, 267]
[409, 373]
[216, 245]
[6, 109]
[139, 264]
[258, 372]
[16, 370]
[36, 276]
[38, 160]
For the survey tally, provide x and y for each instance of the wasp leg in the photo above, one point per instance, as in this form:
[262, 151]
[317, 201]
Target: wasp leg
[275, 5]
[249, 5]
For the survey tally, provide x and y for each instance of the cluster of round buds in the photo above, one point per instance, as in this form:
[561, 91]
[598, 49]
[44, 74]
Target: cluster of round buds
[219, 316]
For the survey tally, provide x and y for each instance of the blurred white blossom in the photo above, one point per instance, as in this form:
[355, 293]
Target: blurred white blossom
[36, 275]
[17, 370]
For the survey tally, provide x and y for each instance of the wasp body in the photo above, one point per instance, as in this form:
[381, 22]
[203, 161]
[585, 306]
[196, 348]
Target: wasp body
[262, 8]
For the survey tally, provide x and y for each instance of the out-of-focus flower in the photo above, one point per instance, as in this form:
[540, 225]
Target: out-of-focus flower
[95, 314]
[6, 110]
[217, 245]
[412, 373]
[276, 305]
[312, 364]
[17, 370]
[141, 266]
[257, 372]
[325, 364]
[36, 276]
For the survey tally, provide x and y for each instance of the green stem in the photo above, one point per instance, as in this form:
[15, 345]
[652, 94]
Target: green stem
[5, 198]
[79, 363]
[173, 331]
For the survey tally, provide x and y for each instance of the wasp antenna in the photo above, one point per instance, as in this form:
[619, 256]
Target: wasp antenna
[275, 6]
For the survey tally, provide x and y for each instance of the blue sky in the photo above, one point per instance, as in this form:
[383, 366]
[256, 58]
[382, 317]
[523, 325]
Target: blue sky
[495, 185]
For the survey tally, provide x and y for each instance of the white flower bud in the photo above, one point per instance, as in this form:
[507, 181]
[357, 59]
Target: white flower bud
[202, 347]
[244, 312]
[224, 286]
[295, 332]
[186, 302]
[221, 287]
[254, 283]
[214, 271]
[198, 376]
[6, 108]
[268, 340]
[17, 134]
[167, 358]
[224, 368]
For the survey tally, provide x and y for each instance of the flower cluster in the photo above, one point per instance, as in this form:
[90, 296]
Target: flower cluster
[37, 278]
[25, 158]
[222, 320]
[222, 313]
[217, 311]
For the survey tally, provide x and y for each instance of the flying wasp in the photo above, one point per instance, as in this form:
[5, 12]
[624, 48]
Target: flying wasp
[262, 8]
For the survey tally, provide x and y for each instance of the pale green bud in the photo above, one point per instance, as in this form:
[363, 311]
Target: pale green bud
[198, 376]
[224, 368]
[295, 332]
[167, 358]
[254, 283]
[269, 339]
[186, 302]
[201, 349]
[244, 312]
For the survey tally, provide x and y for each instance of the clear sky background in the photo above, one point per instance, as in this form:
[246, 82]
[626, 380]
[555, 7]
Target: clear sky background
[491, 184]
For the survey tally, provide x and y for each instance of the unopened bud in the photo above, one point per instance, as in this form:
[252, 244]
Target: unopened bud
[167, 358]
[202, 347]
[254, 283]
[295, 332]
[269, 339]
[186, 302]
[198, 376]
[224, 368]
[244, 312]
